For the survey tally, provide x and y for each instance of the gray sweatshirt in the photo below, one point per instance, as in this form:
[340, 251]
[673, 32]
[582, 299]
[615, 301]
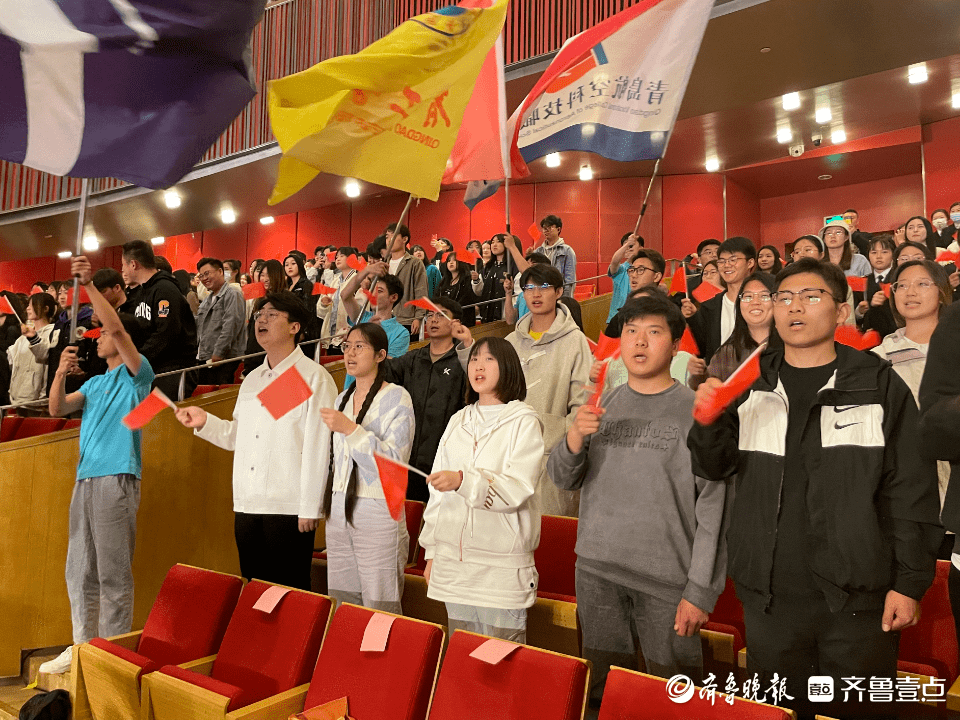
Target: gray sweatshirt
[646, 522]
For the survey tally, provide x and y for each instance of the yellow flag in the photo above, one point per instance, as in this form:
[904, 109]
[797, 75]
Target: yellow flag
[389, 114]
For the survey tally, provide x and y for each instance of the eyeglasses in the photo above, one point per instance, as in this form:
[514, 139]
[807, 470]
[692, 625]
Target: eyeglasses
[268, 315]
[835, 232]
[638, 270]
[919, 285]
[205, 275]
[435, 316]
[350, 348]
[530, 287]
[750, 297]
[904, 258]
[723, 262]
[808, 296]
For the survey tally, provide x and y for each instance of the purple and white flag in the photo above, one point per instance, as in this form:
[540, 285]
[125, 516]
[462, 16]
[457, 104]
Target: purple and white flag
[131, 89]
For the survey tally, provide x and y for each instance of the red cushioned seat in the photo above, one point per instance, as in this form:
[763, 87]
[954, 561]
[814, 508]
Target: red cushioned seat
[34, 426]
[933, 641]
[727, 616]
[529, 684]
[556, 558]
[145, 664]
[238, 697]
[71, 424]
[630, 695]
[413, 514]
[203, 390]
[390, 685]
[8, 427]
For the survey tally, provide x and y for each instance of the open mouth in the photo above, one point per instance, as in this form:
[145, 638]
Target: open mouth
[797, 324]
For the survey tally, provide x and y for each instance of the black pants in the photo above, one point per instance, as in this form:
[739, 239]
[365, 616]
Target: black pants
[218, 375]
[170, 385]
[273, 549]
[799, 637]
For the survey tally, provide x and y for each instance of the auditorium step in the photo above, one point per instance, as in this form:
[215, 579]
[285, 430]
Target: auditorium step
[12, 698]
[44, 681]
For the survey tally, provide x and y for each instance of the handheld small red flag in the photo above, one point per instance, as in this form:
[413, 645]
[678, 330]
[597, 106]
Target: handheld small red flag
[36, 291]
[704, 291]
[743, 377]
[252, 291]
[371, 297]
[84, 296]
[331, 255]
[428, 305]
[92, 333]
[147, 410]
[598, 386]
[948, 256]
[393, 480]
[356, 262]
[463, 256]
[688, 343]
[534, 232]
[287, 392]
[679, 282]
[321, 289]
[885, 287]
[857, 284]
[849, 335]
[6, 308]
[607, 347]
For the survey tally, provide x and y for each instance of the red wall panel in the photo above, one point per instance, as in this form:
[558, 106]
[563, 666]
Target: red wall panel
[743, 212]
[369, 216]
[489, 217]
[183, 251]
[692, 212]
[270, 242]
[448, 217]
[941, 148]
[328, 225]
[577, 204]
[226, 242]
[620, 202]
[19, 275]
[882, 204]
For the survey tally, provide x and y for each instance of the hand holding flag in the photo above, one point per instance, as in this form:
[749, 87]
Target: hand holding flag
[713, 399]
[678, 284]
[704, 291]
[356, 262]
[393, 480]
[688, 343]
[594, 400]
[371, 297]
[6, 308]
[885, 287]
[606, 348]
[429, 306]
[857, 284]
[321, 289]
[147, 410]
[534, 232]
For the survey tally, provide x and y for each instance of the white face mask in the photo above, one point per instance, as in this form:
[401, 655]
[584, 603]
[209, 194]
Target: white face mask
[228, 275]
[940, 223]
[955, 217]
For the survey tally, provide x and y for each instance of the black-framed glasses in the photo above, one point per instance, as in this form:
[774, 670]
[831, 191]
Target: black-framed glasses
[638, 270]
[723, 262]
[808, 296]
[530, 287]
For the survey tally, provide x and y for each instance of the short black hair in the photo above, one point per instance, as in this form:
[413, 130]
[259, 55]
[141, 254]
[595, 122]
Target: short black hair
[373, 334]
[44, 305]
[394, 286]
[163, 264]
[301, 268]
[542, 274]
[654, 304]
[298, 253]
[956, 204]
[347, 251]
[141, 252]
[832, 275]
[707, 243]
[739, 244]
[659, 263]
[402, 231]
[319, 248]
[883, 240]
[552, 220]
[640, 241]
[538, 258]
[217, 264]
[40, 284]
[233, 264]
[940, 210]
[286, 301]
[848, 210]
[107, 278]
[927, 252]
[453, 308]
[511, 385]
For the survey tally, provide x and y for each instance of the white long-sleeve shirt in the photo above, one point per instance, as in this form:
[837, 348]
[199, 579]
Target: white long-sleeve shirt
[279, 466]
[28, 366]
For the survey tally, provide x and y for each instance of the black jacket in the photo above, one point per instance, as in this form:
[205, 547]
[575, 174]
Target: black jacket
[461, 292]
[437, 390]
[169, 338]
[493, 274]
[61, 328]
[871, 500]
[862, 240]
[705, 326]
[876, 318]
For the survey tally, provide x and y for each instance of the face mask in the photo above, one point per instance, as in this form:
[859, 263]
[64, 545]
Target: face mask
[228, 276]
[940, 223]
[955, 217]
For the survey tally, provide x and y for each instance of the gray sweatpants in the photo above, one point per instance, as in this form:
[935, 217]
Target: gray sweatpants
[493, 622]
[103, 531]
[365, 560]
[614, 618]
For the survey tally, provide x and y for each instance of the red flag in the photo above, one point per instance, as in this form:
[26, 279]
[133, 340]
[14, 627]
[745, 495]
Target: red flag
[356, 262]
[704, 291]
[607, 347]
[5, 307]
[534, 232]
[849, 335]
[371, 297]
[429, 306]
[462, 255]
[393, 480]
[36, 291]
[84, 296]
[593, 346]
[252, 291]
[331, 255]
[598, 386]
[886, 289]
[688, 343]
[287, 392]
[152, 405]
[321, 289]
[947, 256]
[679, 282]
[92, 333]
[737, 384]
[857, 284]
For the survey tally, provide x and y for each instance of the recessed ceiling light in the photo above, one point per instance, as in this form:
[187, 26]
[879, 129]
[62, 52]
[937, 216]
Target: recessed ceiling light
[838, 136]
[553, 160]
[268, 220]
[917, 73]
[227, 215]
[157, 240]
[352, 188]
[90, 243]
[824, 177]
[791, 101]
[764, 49]
[64, 254]
[824, 115]
[956, 100]
[784, 135]
[588, 130]
[586, 173]
[712, 164]
[172, 199]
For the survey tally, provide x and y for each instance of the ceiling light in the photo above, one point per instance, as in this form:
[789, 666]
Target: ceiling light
[352, 188]
[227, 215]
[917, 73]
[90, 243]
[157, 240]
[764, 49]
[791, 101]
[268, 220]
[824, 177]
[65, 254]
[956, 100]
[588, 130]
[824, 115]
[713, 164]
[553, 160]
[784, 135]
[838, 136]
[172, 199]
[586, 173]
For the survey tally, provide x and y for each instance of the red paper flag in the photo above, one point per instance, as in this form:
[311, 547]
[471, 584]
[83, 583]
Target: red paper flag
[92, 333]
[287, 392]
[679, 282]
[463, 256]
[36, 291]
[947, 256]
[356, 262]
[428, 305]
[370, 296]
[704, 291]
[593, 346]
[886, 289]
[737, 384]
[688, 343]
[84, 296]
[321, 289]
[857, 284]
[534, 232]
[252, 291]
[331, 255]
[147, 410]
[393, 480]
[598, 386]
[5, 307]
[849, 335]
[607, 347]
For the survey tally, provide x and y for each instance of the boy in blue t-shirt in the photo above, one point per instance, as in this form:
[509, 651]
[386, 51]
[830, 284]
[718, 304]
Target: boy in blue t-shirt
[103, 510]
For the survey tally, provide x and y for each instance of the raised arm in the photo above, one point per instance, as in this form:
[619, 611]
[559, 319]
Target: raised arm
[108, 316]
[60, 403]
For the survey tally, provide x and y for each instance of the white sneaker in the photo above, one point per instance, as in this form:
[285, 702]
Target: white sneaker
[59, 664]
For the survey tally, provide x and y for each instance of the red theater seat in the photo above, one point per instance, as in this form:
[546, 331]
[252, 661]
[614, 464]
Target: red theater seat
[34, 426]
[203, 390]
[529, 684]
[8, 427]
[556, 558]
[630, 695]
[71, 424]
[724, 631]
[413, 513]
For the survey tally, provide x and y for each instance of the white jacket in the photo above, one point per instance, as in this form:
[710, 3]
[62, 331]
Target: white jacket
[28, 366]
[279, 466]
[482, 536]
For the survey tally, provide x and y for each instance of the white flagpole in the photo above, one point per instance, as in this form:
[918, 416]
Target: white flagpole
[75, 308]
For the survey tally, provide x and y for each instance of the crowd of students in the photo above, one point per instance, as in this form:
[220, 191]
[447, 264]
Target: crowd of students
[818, 491]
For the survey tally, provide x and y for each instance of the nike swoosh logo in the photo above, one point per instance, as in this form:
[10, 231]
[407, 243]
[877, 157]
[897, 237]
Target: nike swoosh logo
[844, 408]
[838, 426]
